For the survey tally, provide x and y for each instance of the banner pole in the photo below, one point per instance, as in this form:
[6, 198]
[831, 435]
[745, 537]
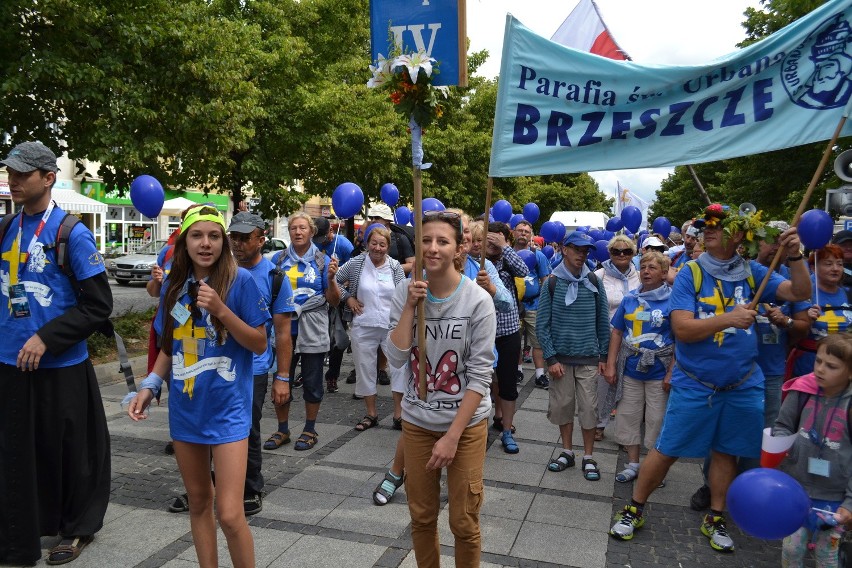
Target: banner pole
[807, 197]
[485, 220]
[417, 274]
[698, 184]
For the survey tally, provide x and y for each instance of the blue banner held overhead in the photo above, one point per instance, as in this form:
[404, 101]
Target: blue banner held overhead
[429, 25]
[560, 110]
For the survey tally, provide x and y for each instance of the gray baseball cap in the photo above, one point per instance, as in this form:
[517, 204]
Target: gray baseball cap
[29, 156]
[245, 222]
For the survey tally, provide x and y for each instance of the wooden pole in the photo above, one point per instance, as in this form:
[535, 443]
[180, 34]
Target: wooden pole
[462, 43]
[417, 274]
[485, 220]
[814, 180]
[698, 184]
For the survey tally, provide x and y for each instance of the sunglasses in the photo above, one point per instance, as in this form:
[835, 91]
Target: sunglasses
[241, 237]
[621, 252]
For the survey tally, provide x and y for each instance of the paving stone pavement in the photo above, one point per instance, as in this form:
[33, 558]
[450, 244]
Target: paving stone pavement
[318, 509]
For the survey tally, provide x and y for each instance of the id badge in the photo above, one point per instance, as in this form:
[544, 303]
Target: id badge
[732, 330]
[643, 316]
[19, 301]
[180, 313]
[762, 319]
[770, 339]
[817, 466]
[194, 347]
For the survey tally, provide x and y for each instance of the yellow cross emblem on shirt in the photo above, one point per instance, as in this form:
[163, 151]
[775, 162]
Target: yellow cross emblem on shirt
[832, 320]
[719, 308]
[293, 274]
[637, 323]
[189, 335]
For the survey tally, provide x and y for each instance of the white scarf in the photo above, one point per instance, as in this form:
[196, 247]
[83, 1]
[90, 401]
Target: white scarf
[573, 281]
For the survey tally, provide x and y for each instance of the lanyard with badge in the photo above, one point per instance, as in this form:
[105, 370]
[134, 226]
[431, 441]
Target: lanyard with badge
[817, 465]
[17, 292]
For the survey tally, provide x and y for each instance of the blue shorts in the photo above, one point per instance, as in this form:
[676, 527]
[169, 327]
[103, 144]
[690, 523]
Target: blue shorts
[732, 423]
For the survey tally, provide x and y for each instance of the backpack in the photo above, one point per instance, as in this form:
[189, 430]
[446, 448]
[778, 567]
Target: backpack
[63, 234]
[405, 231]
[698, 277]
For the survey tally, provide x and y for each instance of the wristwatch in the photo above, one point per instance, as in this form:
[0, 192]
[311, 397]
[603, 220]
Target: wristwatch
[789, 322]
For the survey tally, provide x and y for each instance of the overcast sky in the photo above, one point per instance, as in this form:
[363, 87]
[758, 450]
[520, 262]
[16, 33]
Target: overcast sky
[654, 31]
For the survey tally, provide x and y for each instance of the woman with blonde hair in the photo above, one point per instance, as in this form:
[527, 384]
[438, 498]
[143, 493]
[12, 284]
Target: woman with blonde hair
[619, 276]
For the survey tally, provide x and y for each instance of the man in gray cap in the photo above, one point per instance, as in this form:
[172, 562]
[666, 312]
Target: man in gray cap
[52, 423]
[247, 233]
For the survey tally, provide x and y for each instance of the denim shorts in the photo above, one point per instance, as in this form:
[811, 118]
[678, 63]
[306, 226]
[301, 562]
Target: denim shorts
[729, 422]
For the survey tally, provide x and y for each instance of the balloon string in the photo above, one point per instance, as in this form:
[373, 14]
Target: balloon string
[336, 234]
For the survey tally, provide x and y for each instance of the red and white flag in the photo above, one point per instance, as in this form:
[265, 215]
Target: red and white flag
[584, 29]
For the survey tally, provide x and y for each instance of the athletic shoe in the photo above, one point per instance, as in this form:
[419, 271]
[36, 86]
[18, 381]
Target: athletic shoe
[628, 521]
[180, 504]
[715, 529]
[542, 382]
[253, 505]
[519, 376]
[700, 500]
[297, 382]
[383, 378]
[350, 378]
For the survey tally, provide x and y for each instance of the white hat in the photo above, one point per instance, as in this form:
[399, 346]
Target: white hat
[653, 241]
[381, 210]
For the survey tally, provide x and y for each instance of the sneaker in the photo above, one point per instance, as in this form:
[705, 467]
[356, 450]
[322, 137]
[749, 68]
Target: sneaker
[383, 378]
[297, 382]
[170, 448]
[350, 378]
[715, 529]
[542, 382]
[519, 376]
[700, 500]
[331, 385]
[628, 521]
[253, 505]
[180, 504]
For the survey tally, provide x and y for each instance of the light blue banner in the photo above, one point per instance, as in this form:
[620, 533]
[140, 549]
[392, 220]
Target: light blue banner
[431, 25]
[560, 110]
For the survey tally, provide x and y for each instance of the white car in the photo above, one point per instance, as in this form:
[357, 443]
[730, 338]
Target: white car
[272, 246]
[135, 267]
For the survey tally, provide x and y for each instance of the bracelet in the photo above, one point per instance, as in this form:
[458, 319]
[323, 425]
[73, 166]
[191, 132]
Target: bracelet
[281, 378]
[795, 258]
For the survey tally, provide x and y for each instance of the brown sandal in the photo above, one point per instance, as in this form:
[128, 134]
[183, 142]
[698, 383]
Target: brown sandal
[67, 550]
[599, 434]
[366, 423]
[276, 440]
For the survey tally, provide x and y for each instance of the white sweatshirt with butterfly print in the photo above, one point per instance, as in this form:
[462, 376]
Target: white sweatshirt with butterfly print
[460, 334]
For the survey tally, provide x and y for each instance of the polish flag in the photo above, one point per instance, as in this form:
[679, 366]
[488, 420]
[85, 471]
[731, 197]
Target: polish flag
[584, 30]
[774, 449]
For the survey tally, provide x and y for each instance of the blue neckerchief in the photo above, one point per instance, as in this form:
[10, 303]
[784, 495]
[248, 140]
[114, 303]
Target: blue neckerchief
[573, 282]
[611, 270]
[659, 294]
[733, 269]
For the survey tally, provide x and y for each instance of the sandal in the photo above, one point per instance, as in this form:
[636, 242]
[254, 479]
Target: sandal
[590, 470]
[557, 465]
[180, 504]
[306, 441]
[599, 434]
[276, 440]
[397, 423]
[498, 424]
[366, 423]
[510, 446]
[387, 488]
[626, 476]
[67, 550]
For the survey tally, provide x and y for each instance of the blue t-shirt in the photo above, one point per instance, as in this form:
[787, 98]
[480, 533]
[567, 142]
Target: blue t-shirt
[772, 340]
[726, 357]
[836, 318]
[212, 385]
[529, 287]
[644, 325]
[283, 304]
[49, 291]
[343, 251]
[305, 279]
[166, 265]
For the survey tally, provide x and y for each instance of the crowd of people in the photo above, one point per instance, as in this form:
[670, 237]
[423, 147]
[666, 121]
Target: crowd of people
[662, 335]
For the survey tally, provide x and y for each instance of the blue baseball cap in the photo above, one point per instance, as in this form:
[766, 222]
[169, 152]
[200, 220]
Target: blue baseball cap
[579, 239]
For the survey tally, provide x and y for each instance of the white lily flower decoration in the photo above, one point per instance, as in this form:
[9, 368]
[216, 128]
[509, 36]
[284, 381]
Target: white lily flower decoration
[381, 72]
[414, 62]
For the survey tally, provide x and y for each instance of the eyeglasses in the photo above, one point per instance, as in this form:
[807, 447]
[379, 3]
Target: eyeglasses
[241, 237]
[621, 252]
[441, 214]
[579, 250]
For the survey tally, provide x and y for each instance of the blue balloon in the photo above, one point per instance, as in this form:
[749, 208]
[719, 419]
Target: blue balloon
[390, 194]
[768, 503]
[147, 195]
[614, 224]
[529, 258]
[347, 200]
[662, 226]
[584, 229]
[548, 251]
[632, 218]
[608, 235]
[367, 232]
[550, 231]
[531, 212]
[560, 231]
[628, 234]
[596, 234]
[502, 211]
[815, 228]
[432, 204]
[402, 215]
[515, 219]
[601, 250]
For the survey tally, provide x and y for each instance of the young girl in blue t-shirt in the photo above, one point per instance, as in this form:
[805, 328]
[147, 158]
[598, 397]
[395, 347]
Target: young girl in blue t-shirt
[207, 349]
